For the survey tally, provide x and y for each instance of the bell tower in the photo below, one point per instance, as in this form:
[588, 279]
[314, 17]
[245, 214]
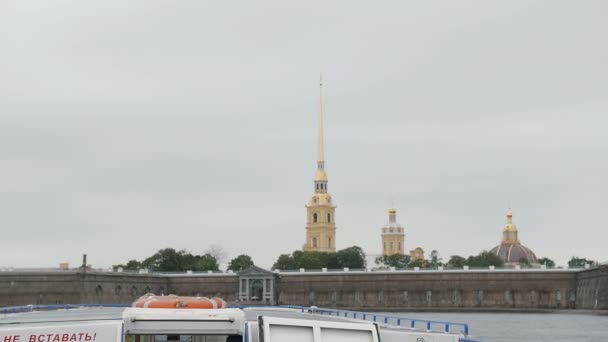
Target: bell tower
[320, 222]
[393, 235]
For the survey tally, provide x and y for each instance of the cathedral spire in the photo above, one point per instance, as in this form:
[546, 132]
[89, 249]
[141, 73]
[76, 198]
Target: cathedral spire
[320, 210]
[321, 155]
[321, 176]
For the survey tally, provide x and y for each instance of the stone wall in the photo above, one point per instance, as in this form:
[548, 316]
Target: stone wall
[431, 290]
[22, 288]
[18, 288]
[225, 286]
[424, 290]
[592, 288]
[119, 288]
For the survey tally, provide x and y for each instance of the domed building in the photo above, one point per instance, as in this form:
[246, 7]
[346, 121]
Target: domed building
[510, 250]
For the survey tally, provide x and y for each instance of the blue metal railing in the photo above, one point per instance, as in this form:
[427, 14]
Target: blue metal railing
[397, 321]
[49, 307]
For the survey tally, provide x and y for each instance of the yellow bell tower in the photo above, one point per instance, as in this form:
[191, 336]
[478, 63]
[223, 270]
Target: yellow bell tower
[320, 223]
[393, 235]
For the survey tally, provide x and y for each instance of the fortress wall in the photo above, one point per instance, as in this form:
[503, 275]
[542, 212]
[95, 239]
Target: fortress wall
[18, 288]
[119, 288]
[430, 290]
[450, 290]
[70, 287]
[592, 288]
[224, 286]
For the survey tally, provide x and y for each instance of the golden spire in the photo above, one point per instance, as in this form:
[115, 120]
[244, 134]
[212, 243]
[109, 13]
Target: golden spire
[321, 157]
[510, 216]
[321, 176]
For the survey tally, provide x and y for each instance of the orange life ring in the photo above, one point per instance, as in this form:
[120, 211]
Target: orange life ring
[178, 302]
[221, 304]
[199, 303]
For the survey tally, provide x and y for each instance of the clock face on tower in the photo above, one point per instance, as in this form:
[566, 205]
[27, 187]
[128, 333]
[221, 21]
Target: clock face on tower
[315, 200]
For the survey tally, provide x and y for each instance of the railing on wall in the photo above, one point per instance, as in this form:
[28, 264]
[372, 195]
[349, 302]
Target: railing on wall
[397, 321]
[306, 271]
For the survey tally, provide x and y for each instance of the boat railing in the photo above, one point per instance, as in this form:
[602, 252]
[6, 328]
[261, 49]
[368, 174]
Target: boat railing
[397, 321]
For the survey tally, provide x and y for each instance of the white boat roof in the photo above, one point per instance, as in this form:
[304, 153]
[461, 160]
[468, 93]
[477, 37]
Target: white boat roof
[64, 315]
[116, 313]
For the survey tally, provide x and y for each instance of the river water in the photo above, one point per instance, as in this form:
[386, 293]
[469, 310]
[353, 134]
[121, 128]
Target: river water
[503, 327]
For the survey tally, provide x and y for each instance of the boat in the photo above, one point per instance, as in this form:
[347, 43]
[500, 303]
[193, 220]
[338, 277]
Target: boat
[189, 319]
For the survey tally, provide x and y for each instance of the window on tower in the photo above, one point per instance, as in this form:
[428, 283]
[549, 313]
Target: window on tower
[328, 217]
[314, 217]
[329, 242]
[314, 242]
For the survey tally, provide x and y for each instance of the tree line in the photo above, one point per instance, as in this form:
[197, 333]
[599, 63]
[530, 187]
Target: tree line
[171, 260]
[351, 257]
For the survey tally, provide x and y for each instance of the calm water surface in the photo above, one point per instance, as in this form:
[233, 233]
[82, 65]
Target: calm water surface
[502, 327]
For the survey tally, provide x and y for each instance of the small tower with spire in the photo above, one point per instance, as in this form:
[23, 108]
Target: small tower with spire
[393, 235]
[320, 223]
[509, 232]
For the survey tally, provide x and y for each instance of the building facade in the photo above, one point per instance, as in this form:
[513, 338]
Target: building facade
[393, 235]
[320, 210]
[256, 284]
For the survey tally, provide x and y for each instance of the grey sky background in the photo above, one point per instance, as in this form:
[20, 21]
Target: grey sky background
[126, 127]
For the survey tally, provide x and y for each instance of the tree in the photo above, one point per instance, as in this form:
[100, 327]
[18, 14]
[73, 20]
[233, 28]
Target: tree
[547, 262]
[240, 263]
[217, 252]
[579, 262]
[351, 257]
[435, 259]
[284, 262]
[168, 260]
[394, 260]
[131, 265]
[485, 259]
[457, 261]
[206, 262]
[315, 260]
[422, 263]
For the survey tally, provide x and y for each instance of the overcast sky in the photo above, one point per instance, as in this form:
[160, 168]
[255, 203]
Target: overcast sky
[130, 126]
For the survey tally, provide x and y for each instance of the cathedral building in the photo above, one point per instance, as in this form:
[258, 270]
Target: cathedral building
[320, 222]
[393, 235]
[510, 250]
